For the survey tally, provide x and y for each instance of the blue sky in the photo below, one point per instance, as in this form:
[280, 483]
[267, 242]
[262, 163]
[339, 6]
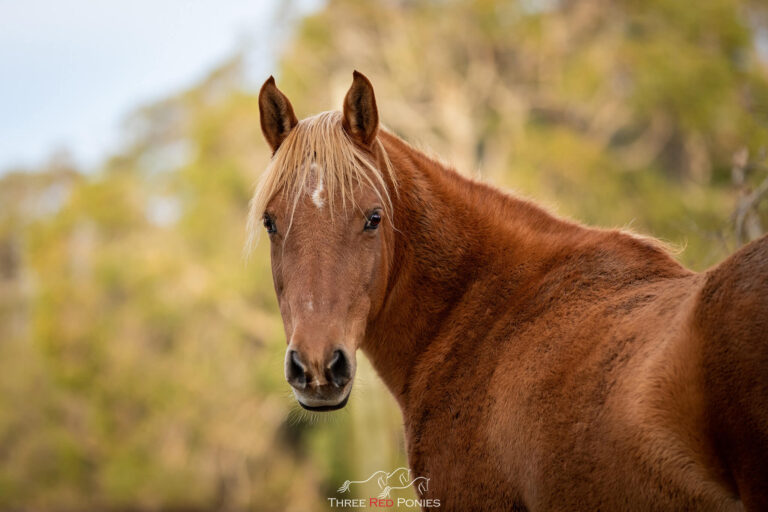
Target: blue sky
[70, 70]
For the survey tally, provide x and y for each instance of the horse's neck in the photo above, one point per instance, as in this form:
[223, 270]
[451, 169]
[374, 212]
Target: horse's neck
[452, 234]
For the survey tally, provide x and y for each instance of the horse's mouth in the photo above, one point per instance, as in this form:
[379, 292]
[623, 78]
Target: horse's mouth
[325, 408]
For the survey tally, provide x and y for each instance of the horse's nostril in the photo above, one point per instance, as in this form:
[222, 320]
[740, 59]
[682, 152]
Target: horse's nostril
[339, 369]
[295, 373]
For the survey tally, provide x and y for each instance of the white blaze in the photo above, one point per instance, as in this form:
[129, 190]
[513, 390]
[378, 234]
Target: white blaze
[317, 196]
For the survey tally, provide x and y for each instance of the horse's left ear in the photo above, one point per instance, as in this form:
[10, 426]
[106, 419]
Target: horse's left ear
[276, 113]
[361, 118]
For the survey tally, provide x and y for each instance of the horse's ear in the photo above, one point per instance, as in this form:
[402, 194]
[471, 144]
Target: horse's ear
[361, 118]
[276, 113]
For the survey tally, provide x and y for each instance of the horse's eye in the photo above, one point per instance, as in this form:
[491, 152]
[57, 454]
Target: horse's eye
[269, 224]
[373, 221]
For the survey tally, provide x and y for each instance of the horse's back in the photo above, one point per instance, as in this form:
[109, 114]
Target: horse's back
[621, 401]
[731, 318]
[594, 407]
[608, 398]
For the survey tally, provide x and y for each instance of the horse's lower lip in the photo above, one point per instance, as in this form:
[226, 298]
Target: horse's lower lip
[324, 408]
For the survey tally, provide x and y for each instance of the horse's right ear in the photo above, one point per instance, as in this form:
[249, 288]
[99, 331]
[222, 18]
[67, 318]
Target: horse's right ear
[361, 117]
[276, 113]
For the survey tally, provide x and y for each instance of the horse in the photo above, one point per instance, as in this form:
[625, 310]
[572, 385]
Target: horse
[539, 364]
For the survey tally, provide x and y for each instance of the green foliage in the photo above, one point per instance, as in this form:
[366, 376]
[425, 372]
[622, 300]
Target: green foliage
[141, 355]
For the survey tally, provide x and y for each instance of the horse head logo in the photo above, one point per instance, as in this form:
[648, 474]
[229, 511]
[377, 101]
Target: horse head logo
[400, 478]
[421, 483]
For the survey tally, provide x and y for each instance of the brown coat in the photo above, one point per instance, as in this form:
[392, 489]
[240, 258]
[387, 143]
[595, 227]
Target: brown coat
[539, 364]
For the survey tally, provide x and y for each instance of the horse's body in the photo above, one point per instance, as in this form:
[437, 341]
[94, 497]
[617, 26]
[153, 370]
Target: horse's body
[544, 365]
[555, 367]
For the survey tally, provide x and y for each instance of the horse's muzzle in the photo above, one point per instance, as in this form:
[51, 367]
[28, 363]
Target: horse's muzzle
[324, 408]
[320, 386]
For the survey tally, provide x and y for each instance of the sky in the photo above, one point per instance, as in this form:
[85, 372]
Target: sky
[71, 70]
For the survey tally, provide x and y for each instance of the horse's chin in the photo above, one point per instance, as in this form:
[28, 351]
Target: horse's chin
[325, 398]
[324, 408]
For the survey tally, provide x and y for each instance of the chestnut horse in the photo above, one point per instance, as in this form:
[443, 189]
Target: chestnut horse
[539, 364]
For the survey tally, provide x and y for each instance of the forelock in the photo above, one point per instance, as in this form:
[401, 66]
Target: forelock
[318, 150]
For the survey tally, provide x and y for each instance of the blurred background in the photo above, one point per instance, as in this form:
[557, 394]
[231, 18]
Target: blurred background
[141, 356]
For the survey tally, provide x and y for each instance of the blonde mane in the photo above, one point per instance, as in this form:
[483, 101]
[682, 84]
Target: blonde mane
[318, 148]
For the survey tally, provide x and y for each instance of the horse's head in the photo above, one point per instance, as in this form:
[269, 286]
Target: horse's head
[324, 201]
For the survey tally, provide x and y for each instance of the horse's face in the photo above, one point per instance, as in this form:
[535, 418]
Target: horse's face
[326, 273]
[327, 265]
